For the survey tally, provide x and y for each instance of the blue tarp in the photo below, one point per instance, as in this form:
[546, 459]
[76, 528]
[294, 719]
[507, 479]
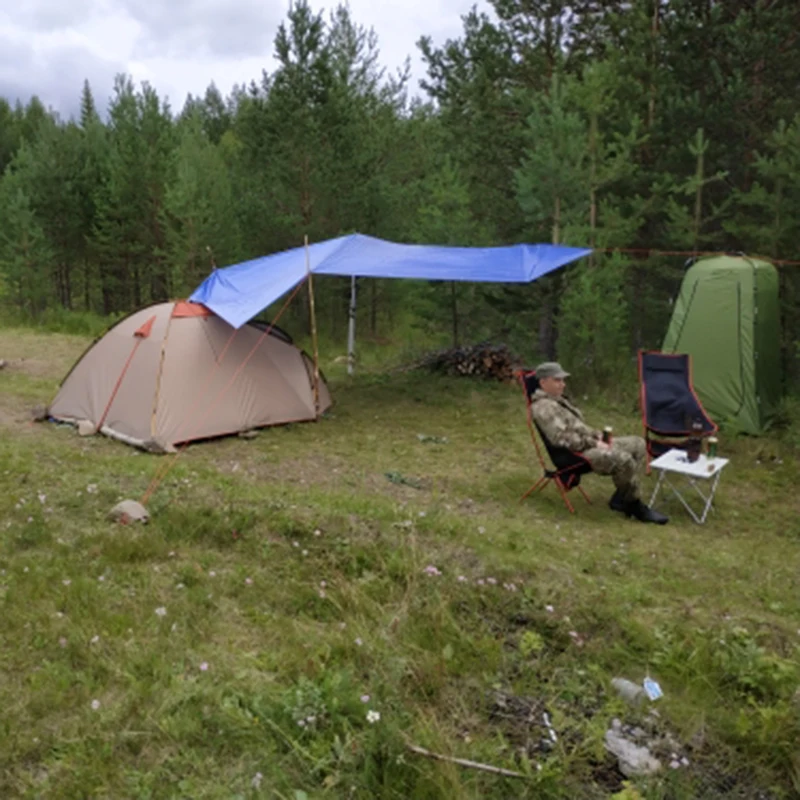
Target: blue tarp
[239, 293]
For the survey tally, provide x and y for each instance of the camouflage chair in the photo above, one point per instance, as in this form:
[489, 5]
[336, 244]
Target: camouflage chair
[567, 466]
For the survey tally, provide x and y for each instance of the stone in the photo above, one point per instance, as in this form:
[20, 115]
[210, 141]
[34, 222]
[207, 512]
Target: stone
[129, 511]
[159, 447]
[86, 428]
[39, 413]
[633, 760]
[629, 691]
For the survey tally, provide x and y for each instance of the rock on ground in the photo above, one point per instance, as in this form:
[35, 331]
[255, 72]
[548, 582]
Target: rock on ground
[633, 760]
[129, 511]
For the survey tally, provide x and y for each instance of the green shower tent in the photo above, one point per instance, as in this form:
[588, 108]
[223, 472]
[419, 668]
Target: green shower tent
[727, 318]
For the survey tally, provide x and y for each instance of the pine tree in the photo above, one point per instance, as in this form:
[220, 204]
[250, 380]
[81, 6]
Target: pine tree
[202, 226]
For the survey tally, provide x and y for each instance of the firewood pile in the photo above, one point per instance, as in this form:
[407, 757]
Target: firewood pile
[483, 360]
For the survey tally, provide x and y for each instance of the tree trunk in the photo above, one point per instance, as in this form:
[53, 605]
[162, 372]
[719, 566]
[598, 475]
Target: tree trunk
[373, 308]
[651, 104]
[557, 221]
[454, 309]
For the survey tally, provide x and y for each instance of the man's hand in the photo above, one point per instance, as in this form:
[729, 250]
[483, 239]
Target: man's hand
[601, 445]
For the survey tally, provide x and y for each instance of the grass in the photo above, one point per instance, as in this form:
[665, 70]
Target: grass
[284, 588]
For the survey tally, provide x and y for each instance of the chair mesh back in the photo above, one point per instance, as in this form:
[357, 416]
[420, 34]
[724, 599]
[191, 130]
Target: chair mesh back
[669, 404]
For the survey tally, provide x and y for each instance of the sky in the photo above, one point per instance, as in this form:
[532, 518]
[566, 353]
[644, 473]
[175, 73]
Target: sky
[48, 47]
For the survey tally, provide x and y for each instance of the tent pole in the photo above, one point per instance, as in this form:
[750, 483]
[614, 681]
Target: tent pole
[351, 329]
[313, 328]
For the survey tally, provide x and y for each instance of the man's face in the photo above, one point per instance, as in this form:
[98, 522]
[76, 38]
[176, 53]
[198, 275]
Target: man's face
[553, 386]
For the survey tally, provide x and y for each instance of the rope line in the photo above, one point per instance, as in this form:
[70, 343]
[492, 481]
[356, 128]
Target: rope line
[167, 466]
[649, 251]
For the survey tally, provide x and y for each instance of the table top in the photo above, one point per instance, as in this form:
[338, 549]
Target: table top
[675, 460]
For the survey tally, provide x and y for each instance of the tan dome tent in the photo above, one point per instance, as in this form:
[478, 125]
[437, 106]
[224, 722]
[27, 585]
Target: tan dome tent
[175, 372]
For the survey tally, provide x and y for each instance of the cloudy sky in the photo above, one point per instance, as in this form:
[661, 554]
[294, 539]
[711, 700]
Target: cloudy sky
[48, 47]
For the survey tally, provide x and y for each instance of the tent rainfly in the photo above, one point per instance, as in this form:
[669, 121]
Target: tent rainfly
[176, 372]
[239, 292]
[727, 318]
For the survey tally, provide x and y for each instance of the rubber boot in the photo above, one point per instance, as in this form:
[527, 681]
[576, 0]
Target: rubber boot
[644, 513]
[617, 502]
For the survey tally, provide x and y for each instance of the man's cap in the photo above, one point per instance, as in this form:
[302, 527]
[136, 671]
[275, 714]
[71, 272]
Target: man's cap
[550, 369]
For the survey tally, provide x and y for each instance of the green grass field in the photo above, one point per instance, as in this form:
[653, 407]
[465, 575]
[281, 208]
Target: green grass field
[244, 642]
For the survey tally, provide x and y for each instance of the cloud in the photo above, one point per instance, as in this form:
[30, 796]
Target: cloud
[48, 47]
[54, 71]
[189, 28]
[51, 15]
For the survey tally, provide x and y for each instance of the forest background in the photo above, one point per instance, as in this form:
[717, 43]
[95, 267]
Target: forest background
[636, 128]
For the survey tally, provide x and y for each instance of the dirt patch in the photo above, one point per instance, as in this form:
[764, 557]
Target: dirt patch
[40, 355]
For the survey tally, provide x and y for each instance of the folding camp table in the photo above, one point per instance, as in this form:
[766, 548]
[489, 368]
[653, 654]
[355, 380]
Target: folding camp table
[676, 463]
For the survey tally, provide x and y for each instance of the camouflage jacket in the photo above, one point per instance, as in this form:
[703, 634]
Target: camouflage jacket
[561, 422]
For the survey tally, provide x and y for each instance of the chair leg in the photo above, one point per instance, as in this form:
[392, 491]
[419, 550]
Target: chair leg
[536, 486]
[585, 496]
[564, 495]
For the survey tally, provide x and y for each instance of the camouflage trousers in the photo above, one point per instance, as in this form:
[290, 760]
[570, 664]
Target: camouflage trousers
[622, 462]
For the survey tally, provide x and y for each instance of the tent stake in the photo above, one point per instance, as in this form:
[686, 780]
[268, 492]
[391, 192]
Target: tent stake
[313, 328]
[351, 329]
[463, 762]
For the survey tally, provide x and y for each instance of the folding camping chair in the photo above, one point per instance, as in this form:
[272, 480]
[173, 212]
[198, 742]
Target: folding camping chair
[670, 408]
[568, 466]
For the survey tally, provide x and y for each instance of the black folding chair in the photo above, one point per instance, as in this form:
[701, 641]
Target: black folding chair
[670, 407]
[568, 467]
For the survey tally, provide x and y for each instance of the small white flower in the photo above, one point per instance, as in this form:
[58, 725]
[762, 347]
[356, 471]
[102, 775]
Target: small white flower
[66, 582]
[212, 574]
[317, 532]
[305, 552]
[94, 640]
[365, 698]
[301, 723]
[549, 608]
[42, 498]
[481, 529]
[248, 581]
[461, 578]
[91, 488]
[359, 641]
[101, 578]
[256, 782]
[172, 554]
[295, 544]
[95, 705]
[180, 586]
[204, 666]
[373, 716]
[161, 611]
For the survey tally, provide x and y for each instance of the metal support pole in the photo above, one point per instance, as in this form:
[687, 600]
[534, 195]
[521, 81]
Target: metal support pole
[351, 329]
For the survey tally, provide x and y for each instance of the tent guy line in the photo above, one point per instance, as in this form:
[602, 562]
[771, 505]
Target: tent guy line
[239, 292]
[164, 469]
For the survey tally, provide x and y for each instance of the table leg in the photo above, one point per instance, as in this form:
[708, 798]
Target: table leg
[686, 505]
[661, 474]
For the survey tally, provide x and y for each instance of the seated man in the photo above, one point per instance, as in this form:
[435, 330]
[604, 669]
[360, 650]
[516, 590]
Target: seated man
[562, 424]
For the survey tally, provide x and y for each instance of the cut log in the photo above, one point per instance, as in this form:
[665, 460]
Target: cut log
[483, 360]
